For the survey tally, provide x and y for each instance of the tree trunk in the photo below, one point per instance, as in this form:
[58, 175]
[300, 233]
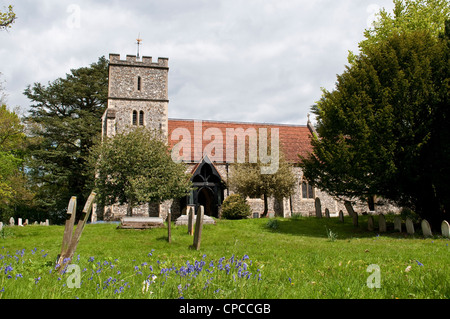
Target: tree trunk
[130, 208]
[266, 206]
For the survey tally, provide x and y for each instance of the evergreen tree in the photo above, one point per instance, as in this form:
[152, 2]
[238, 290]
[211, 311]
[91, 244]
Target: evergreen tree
[384, 130]
[64, 120]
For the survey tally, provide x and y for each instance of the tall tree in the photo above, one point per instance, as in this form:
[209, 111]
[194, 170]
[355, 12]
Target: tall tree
[65, 118]
[7, 18]
[247, 179]
[407, 15]
[384, 129]
[136, 168]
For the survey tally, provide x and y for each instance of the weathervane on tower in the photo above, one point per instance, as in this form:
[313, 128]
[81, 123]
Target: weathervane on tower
[139, 40]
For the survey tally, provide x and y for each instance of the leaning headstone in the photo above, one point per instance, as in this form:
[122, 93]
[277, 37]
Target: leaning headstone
[198, 228]
[381, 223]
[327, 213]
[355, 219]
[370, 223]
[318, 207]
[426, 229]
[19, 221]
[341, 216]
[398, 223]
[11, 221]
[445, 229]
[349, 208]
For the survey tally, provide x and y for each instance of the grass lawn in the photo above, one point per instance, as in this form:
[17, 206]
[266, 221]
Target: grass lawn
[254, 258]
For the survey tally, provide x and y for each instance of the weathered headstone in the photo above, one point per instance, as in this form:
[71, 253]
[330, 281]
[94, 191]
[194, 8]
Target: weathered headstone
[370, 223]
[445, 229]
[327, 213]
[11, 221]
[398, 223]
[381, 223]
[355, 219]
[191, 220]
[68, 249]
[198, 228]
[341, 216]
[19, 221]
[47, 222]
[426, 229]
[318, 207]
[26, 222]
[1, 226]
[349, 208]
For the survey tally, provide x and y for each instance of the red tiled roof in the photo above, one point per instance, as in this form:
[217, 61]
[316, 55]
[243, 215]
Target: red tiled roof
[294, 139]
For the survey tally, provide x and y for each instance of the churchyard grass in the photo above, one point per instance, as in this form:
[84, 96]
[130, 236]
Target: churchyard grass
[255, 258]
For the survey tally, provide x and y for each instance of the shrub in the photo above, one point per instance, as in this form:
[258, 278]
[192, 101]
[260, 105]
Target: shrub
[235, 207]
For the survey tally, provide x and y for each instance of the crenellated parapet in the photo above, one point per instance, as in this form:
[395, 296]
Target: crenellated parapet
[132, 60]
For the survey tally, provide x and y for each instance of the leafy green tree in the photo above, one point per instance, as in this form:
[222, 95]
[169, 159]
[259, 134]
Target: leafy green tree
[407, 15]
[384, 129]
[136, 168]
[7, 18]
[64, 120]
[14, 188]
[247, 179]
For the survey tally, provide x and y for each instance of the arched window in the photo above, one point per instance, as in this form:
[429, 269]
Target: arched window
[141, 117]
[134, 117]
[307, 190]
[139, 83]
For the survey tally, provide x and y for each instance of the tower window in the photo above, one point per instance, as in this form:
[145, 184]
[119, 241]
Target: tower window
[141, 117]
[139, 83]
[134, 117]
[307, 190]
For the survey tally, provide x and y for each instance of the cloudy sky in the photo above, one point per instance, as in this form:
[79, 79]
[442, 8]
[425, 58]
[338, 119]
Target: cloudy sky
[247, 60]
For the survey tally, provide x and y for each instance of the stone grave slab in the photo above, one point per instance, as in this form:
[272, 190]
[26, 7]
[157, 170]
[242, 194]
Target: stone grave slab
[445, 229]
[381, 223]
[426, 229]
[409, 226]
[398, 223]
[370, 223]
[183, 220]
[130, 222]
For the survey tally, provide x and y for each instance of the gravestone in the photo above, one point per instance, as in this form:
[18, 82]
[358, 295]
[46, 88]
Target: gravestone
[327, 213]
[191, 220]
[349, 208]
[19, 221]
[445, 229]
[1, 226]
[381, 223]
[169, 223]
[398, 223]
[318, 207]
[370, 223]
[11, 221]
[341, 216]
[26, 222]
[198, 228]
[426, 229]
[355, 219]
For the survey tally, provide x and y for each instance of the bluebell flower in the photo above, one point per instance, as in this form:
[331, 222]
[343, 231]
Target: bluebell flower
[419, 263]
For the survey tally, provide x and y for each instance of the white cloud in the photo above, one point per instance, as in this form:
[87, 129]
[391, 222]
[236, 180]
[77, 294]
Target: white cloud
[259, 60]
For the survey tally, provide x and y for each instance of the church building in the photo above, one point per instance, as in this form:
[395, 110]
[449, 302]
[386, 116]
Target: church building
[138, 96]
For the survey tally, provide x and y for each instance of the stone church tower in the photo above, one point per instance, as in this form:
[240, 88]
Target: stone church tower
[137, 94]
